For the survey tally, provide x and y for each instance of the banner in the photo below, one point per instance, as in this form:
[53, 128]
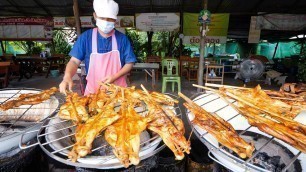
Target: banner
[210, 39]
[254, 34]
[217, 33]
[125, 21]
[281, 22]
[25, 28]
[26, 21]
[86, 21]
[157, 21]
[59, 22]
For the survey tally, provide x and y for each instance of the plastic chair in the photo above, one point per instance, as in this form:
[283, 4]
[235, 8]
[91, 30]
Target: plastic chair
[170, 75]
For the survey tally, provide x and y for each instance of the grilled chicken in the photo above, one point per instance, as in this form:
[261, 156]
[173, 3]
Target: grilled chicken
[169, 127]
[124, 135]
[29, 99]
[277, 129]
[221, 130]
[86, 133]
[75, 108]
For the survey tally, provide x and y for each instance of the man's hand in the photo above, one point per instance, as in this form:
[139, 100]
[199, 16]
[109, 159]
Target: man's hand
[63, 85]
[109, 80]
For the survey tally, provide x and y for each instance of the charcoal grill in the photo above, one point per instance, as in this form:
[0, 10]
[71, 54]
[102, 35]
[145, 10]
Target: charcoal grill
[12, 130]
[56, 139]
[13, 125]
[212, 103]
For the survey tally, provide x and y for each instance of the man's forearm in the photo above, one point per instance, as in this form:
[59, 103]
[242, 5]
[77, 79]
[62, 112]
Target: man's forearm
[124, 70]
[71, 69]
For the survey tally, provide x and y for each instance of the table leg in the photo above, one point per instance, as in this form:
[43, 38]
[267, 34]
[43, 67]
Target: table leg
[153, 79]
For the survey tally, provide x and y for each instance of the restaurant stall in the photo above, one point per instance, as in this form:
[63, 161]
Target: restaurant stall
[116, 128]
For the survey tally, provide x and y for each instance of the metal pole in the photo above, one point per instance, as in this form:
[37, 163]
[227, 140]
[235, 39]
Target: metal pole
[2, 47]
[77, 16]
[202, 51]
[275, 50]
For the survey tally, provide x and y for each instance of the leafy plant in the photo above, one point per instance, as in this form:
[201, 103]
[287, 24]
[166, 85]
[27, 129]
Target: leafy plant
[302, 70]
[139, 42]
[302, 63]
[60, 43]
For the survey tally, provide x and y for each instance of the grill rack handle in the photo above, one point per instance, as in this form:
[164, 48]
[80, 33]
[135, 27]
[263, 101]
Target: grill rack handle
[23, 146]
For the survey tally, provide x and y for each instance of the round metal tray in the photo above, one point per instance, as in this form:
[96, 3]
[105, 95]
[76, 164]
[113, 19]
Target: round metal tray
[153, 146]
[14, 129]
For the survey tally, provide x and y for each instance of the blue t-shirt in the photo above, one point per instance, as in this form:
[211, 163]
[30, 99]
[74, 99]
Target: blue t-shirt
[82, 48]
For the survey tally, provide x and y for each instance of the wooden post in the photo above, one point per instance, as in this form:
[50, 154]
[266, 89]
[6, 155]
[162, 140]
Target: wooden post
[302, 45]
[150, 35]
[181, 27]
[202, 51]
[275, 50]
[2, 47]
[77, 16]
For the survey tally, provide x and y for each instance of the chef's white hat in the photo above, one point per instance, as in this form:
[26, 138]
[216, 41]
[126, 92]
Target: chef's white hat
[106, 8]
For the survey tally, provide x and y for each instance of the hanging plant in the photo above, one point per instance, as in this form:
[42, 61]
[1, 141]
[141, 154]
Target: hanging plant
[302, 63]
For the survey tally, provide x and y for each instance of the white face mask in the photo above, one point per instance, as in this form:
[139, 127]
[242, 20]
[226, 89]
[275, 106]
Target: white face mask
[105, 26]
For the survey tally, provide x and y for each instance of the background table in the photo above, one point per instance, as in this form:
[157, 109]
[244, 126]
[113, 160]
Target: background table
[149, 68]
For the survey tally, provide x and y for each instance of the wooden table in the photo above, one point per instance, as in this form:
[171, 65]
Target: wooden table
[31, 64]
[149, 68]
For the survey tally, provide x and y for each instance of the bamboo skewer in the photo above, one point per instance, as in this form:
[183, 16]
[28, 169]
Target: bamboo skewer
[225, 86]
[244, 88]
[217, 127]
[218, 93]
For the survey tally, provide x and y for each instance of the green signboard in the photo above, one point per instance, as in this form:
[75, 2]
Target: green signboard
[218, 25]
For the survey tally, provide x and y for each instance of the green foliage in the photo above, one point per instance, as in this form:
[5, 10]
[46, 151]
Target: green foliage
[302, 70]
[302, 63]
[139, 42]
[60, 41]
[29, 47]
[167, 42]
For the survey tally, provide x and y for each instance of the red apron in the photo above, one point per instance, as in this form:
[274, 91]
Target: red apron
[102, 65]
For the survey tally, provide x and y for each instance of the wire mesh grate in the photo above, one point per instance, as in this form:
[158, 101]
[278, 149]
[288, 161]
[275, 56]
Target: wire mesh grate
[246, 163]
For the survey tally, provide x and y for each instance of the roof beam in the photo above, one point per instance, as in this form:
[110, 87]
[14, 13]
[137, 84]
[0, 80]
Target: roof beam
[19, 12]
[293, 6]
[257, 5]
[43, 7]
[18, 8]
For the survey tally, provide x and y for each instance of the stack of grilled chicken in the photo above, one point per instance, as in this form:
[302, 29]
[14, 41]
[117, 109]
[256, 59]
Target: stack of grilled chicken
[96, 113]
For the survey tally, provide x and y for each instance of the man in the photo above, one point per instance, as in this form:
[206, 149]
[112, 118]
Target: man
[107, 53]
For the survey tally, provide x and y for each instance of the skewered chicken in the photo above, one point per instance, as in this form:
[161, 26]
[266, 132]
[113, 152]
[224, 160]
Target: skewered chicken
[259, 98]
[124, 135]
[141, 95]
[75, 108]
[29, 99]
[169, 127]
[221, 130]
[97, 101]
[269, 109]
[86, 133]
[123, 129]
[269, 126]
